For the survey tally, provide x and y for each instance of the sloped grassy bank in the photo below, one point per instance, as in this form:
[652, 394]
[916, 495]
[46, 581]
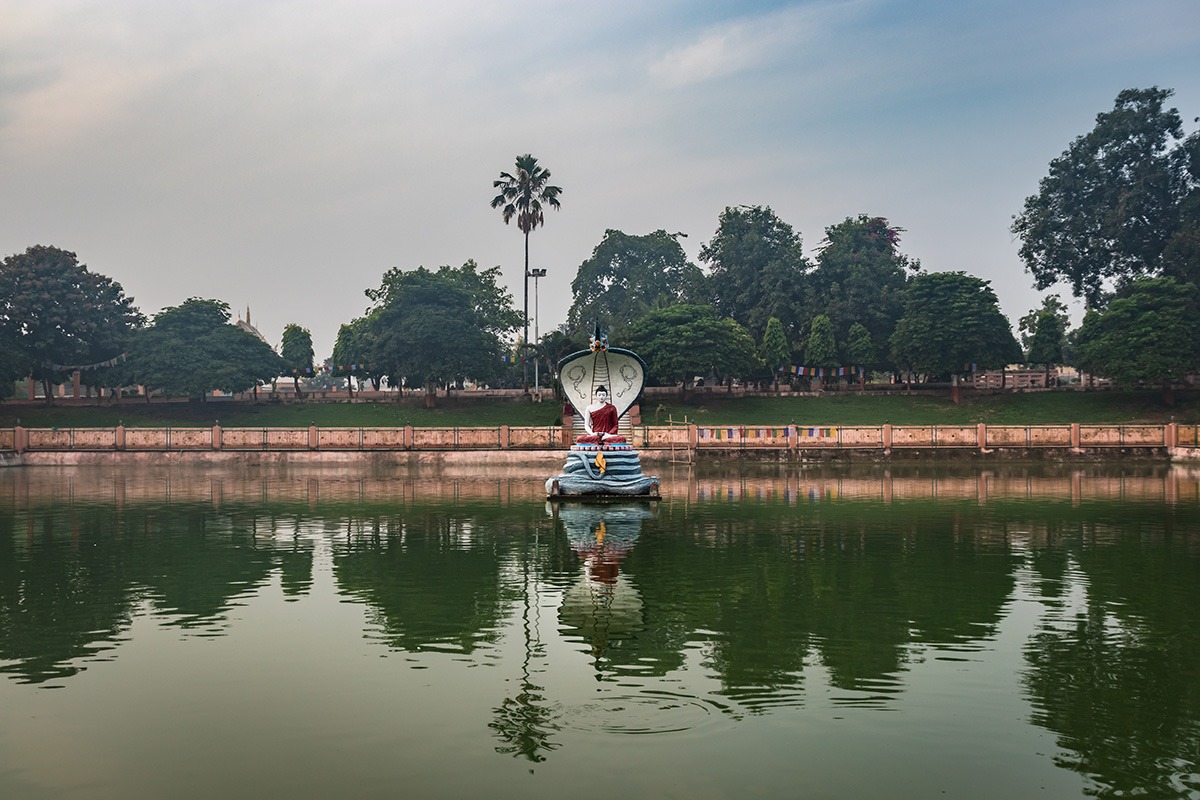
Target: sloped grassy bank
[1008, 409]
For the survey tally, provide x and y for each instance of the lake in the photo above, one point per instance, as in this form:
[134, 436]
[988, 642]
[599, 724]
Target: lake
[912, 631]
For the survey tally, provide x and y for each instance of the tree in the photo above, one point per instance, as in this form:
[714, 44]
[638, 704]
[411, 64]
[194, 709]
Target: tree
[860, 276]
[861, 350]
[1113, 201]
[629, 275]
[437, 327]
[950, 320]
[821, 348]
[296, 348]
[521, 196]
[192, 348]
[1027, 325]
[775, 350]
[1148, 334]
[53, 311]
[352, 351]
[682, 341]
[557, 345]
[757, 269]
[1044, 334]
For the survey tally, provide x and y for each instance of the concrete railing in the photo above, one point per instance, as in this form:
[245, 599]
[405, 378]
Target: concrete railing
[885, 437]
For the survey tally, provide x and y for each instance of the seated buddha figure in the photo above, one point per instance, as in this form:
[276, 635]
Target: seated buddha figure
[600, 421]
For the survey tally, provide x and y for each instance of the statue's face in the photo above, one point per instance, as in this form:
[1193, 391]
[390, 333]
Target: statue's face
[602, 396]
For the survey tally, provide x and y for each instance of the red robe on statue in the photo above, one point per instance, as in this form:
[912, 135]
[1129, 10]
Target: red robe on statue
[604, 426]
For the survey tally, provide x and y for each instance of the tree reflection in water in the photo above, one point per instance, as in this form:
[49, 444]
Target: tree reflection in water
[1117, 675]
[760, 604]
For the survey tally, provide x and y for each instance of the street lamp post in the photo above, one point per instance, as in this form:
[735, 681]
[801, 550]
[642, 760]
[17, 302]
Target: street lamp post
[537, 386]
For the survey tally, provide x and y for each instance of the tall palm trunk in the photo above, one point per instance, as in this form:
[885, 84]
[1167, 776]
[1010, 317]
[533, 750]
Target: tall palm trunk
[525, 319]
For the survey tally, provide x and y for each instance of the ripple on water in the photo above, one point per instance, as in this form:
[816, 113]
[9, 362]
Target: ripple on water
[642, 713]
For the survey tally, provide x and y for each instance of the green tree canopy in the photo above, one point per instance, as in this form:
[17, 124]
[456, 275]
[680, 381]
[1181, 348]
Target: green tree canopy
[860, 348]
[54, 311]
[1148, 334]
[774, 350]
[757, 269]
[1047, 340]
[296, 349]
[821, 348]
[629, 275]
[1114, 200]
[354, 349]
[438, 327]
[682, 341]
[951, 319]
[860, 276]
[192, 348]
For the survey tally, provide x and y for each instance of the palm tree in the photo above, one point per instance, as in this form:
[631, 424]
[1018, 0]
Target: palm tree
[522, 195]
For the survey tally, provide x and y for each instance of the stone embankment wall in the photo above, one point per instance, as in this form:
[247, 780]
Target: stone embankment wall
[668, 441]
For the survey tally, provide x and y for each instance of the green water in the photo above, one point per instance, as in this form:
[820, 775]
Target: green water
[910, 633]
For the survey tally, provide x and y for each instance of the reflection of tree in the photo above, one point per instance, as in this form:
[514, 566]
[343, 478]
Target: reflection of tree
[1119, 682]
[71, 592]
[295, 566]
[194, 561]
[433, 578]
[771, 587]
[524, 722]
[60, 604]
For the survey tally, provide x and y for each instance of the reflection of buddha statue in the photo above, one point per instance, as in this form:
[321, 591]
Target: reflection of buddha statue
[600, 420]
[603, 604]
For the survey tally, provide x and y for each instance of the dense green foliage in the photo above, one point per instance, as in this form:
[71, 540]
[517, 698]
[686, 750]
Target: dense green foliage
[757, 270]
[683, 341]
[1116, 200]
[774, 350]
[821, 348]
[860, 348]
[55, 313]
[626, 276]
[296, 349]
[434, 328]
[1148, 334]
[1049, 339]
[951, 320]
[860, 277]
[192, 348]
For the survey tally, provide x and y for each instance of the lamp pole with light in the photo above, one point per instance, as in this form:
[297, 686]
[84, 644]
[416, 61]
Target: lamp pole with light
[537, 386]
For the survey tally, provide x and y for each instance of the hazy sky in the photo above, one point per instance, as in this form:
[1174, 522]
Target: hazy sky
[283, 155]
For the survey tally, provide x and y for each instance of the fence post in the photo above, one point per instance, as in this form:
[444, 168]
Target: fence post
[119, 436]
[504, 439]
[1075, 436]
[981, 435]
[408, 437]
[20, 439]
[887, 436]
[793, 439]
[693, 437]
[216, 435]
[314, 439]
[1171, 435]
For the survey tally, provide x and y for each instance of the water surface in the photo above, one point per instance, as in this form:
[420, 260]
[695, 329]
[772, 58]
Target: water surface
[761, 632]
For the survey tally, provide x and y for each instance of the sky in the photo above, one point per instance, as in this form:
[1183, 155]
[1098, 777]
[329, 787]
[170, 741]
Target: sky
[283, 155]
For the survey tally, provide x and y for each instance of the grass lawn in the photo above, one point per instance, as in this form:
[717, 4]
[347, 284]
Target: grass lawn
[1014, 409]
[1009, 409]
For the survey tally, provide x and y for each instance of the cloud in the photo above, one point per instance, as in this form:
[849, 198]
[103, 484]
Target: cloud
[748, 43]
